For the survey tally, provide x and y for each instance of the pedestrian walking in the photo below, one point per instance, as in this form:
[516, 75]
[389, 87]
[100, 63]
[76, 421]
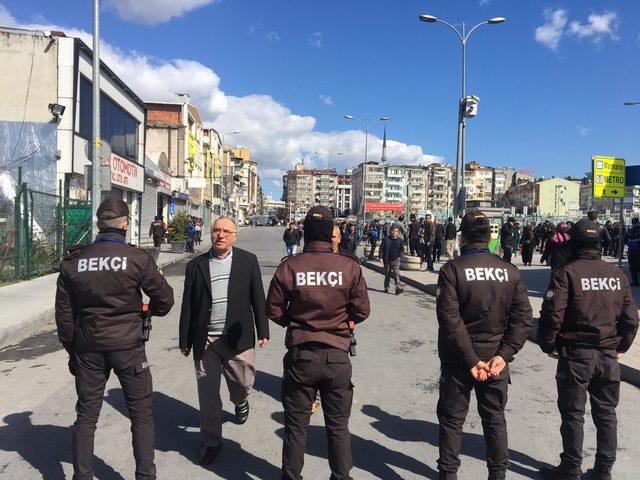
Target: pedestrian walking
[191, 236]
[450, 238]
[198, 227]
[438, 240]
[429, 236]
[222, 307]
[508, 238]
[484, 318]
[527, 241]
[414, 236]
[374, 236]
[99, 321]
[633, 250]
[391, 253]
[349, 241]
[588, 319]
[291, 238]
[318, 297]
[558, 248]
[157, 230]
[402, 229]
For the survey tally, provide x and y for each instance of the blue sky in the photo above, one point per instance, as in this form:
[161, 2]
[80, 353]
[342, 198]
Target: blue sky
[552, 80]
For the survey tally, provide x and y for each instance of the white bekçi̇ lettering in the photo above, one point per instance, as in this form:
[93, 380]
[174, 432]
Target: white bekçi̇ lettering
[318, 279]
[99, 264]
[594, 283]
[486, 274]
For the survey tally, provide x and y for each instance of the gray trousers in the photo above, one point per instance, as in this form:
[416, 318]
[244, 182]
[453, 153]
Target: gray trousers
[238, 370]
[392, 269]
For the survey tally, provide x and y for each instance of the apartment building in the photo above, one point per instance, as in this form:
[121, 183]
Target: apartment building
[344, 194]
[440, 190]
[305, 188]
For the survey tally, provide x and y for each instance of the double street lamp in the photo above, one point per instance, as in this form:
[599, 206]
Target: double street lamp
[366, 124]
[467, 107]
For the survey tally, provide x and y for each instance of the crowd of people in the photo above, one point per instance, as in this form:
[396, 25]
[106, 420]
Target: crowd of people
[588, 320]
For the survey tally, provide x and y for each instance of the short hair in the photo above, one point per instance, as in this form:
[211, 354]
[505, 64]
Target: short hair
[393, 227]
[111, 222]
[224, 218]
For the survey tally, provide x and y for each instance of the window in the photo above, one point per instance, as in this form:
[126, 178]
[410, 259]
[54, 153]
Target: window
[116, 126]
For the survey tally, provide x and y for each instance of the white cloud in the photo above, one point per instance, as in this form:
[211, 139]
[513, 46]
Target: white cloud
[327, 100]
[315, 40]
[277, 137]
[583, 131]
[6, 19]
[597, 27]
[273, 36]
[551, 32]
[151, 12]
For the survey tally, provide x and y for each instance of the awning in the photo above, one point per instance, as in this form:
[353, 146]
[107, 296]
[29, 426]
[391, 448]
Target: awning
[152, 170]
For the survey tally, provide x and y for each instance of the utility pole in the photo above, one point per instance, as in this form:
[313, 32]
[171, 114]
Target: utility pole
[96, 142]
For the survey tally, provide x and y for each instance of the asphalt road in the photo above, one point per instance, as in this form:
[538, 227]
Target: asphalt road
[393, 424]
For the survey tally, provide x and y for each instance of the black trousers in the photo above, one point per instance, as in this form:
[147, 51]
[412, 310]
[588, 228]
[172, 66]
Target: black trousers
[437, 250]
[374, 242]
[634, 266]
[157, 240]
[414, 246]
[508, 250]
[427, 255]
[307, 371]
[453, 406]
[92, 373]
[596, 372]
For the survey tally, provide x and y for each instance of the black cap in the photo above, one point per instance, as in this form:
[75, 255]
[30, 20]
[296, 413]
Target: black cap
[318, 213]
[635, 220]
[474, 223]
[112, 208]
[511, 219]
[585, 231]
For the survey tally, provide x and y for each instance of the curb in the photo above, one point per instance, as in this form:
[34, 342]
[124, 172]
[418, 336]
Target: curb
[628, 374]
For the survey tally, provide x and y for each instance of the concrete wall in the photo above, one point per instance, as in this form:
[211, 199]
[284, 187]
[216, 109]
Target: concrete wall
[29, 66]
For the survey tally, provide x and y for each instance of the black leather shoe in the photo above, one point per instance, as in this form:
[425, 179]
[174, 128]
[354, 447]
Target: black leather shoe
[600, 473]
[209, 454]
[242, 412]
[557, 473]
[399, 291]
[501, 475]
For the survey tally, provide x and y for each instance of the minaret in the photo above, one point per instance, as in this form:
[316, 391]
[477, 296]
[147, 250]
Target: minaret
[384, 145]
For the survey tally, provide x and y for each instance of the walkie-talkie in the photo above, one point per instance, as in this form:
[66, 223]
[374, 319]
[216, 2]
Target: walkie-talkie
[352, 339]
[146, 323]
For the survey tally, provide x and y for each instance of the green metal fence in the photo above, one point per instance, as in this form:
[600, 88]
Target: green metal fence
[36, 228]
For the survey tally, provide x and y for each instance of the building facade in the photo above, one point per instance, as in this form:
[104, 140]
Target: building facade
[50, 134]
[344, 194]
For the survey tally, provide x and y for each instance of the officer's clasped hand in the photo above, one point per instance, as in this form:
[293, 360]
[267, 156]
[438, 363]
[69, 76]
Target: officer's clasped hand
[480, 371]
[483, 371]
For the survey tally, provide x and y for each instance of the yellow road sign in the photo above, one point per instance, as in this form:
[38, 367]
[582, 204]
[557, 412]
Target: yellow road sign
[608, 177]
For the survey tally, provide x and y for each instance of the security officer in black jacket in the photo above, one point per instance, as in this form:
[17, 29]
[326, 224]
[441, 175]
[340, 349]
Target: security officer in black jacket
[484, 318]
[588, 319]
[98, 315]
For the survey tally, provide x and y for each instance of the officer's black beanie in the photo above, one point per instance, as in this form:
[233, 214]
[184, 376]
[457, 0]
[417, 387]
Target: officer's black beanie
[584, 235]
[318, 225]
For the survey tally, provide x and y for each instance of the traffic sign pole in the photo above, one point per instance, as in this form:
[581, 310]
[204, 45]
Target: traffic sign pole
[621, 234]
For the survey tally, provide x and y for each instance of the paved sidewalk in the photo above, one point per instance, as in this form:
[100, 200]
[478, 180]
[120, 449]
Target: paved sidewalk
[29, 305]
[536, 278]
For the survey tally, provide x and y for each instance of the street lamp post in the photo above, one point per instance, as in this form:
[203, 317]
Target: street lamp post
[366, 124]
[463, 35]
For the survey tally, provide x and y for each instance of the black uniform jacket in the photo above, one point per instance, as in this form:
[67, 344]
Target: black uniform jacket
[483, 309]
[316, 294]
[588, 304]
[99, 299]
[245, 307]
